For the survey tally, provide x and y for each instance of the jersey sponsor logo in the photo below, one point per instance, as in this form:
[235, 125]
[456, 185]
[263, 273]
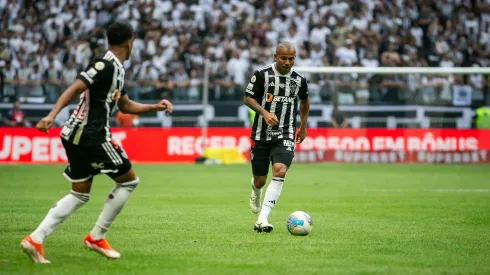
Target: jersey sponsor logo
[274, 133]
[250, 86]
[249, 91]
[279, 98]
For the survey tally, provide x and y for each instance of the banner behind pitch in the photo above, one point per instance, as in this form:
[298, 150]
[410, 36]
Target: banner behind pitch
[178, 145]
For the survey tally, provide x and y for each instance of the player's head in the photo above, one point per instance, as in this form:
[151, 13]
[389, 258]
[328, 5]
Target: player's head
[284, 57]
[121, 35]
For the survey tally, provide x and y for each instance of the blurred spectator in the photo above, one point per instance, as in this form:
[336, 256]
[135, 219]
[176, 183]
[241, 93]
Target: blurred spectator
[339, 118]
[126, 120]
[16, 117]
[173, 37]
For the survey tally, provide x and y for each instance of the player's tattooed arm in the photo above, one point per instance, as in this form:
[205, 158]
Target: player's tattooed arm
[304, 110]
[68, 95]
[270, 119]
[128, 106]
[254, 105]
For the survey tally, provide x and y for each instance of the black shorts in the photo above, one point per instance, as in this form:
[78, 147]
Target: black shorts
[88, 161]
[263, 153]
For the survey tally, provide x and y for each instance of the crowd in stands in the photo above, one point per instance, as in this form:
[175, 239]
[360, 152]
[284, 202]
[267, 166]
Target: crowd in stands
[43, 44]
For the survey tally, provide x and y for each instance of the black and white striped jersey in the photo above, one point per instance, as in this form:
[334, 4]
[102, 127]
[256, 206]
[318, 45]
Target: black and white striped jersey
[278, 94]
[89, 122]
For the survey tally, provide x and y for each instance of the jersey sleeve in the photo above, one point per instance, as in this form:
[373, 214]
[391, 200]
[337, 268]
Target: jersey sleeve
[255, 88]
[96, 71]
[303, 90]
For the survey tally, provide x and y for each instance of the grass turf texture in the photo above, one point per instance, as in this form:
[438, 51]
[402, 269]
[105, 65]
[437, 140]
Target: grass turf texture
[190, 219]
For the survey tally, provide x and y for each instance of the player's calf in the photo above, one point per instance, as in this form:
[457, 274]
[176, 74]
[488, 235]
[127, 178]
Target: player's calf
[271, 196]
[113, 205]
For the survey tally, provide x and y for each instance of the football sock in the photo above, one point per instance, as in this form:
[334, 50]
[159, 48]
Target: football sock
[58, 213]
[112, 206]
[271, 196]
[255, 189]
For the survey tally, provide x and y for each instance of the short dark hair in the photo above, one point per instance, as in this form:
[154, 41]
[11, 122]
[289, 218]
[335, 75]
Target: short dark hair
[118, 33]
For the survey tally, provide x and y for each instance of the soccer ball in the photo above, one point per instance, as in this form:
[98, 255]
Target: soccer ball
[299, 223]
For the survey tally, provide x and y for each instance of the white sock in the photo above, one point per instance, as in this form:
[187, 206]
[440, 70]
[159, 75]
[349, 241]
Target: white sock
[112, 206]
[271, 196]
[58, 213]
[255, 189]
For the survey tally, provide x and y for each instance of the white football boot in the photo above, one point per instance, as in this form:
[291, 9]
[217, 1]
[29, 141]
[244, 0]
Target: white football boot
[255, 202]
[263, 226]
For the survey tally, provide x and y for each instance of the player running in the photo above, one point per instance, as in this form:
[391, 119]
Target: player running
[272, 93]
[88, 144]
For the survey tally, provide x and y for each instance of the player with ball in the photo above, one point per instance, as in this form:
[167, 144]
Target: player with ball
[273, 93]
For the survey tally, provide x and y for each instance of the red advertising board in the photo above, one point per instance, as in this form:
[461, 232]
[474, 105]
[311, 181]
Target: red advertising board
[178, 145]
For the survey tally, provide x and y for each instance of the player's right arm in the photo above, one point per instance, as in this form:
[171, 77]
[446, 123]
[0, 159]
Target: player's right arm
[255, 90]
[68, 95]
[96, 71]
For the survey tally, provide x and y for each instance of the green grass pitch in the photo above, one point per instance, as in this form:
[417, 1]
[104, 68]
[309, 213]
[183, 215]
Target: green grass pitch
[192, 219]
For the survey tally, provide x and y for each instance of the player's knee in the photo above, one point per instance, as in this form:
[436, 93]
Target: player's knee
[259, 181]
[130, 185]
[279, 170]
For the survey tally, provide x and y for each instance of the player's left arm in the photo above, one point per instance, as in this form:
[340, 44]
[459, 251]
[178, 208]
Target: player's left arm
[128, 106]
[304, 110]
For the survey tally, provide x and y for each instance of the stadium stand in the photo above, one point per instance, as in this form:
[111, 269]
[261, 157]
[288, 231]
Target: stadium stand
[43, 44]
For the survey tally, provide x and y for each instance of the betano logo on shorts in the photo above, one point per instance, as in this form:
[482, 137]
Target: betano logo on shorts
[279, 98]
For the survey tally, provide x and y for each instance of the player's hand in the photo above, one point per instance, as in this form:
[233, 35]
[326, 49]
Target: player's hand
[164, 105]
[300, 135]
[44, 124]
[271, 119]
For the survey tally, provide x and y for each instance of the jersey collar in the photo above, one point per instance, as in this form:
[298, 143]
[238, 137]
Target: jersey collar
[276, 72]
[109, 53]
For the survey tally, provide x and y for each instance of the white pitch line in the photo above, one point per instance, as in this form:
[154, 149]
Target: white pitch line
[427, 190]
[462, 190]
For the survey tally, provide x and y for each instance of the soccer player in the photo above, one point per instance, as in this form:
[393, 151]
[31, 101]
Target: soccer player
[88, 144]
[272, 93]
